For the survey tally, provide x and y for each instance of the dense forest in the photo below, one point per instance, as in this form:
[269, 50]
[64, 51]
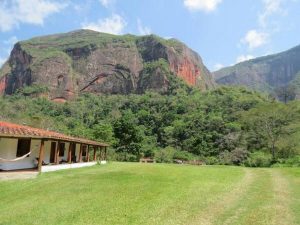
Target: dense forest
[228, 125]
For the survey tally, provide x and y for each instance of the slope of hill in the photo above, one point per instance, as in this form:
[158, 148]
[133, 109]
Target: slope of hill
[84, 60]
[264, 73]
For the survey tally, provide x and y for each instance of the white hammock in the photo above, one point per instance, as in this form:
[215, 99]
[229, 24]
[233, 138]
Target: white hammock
[16, 159]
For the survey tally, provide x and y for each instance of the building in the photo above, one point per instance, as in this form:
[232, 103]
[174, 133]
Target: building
[24, 147]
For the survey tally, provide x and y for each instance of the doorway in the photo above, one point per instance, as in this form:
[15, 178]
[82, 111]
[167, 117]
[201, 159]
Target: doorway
[52, 152]
[73, 152]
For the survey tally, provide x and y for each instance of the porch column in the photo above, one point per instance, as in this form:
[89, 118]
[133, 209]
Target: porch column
[70, 153]
[41, 155]
[80, 153]
[95, 153]
[99, 151]
[56, 153]
[102, 153]
[88, 153]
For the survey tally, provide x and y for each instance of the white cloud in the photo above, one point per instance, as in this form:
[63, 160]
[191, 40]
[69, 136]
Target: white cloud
[6, 47]
[267, 23]
[143, 30]
[106, 3]
[243, 58]
[15, 12]
[113, 25]
[271, 7]
[10, 43]
[218, 66]
[255, 39]
[202, 5]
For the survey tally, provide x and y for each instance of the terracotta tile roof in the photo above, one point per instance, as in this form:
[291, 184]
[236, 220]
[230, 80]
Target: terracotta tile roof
[15, 130]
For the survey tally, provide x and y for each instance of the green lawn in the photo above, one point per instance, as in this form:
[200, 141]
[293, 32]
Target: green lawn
[132, 193]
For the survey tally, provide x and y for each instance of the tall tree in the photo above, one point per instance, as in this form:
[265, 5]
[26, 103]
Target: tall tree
[127, 134]
[269, 122]
[286, 93]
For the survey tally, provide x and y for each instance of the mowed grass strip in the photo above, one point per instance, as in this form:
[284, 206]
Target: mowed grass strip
[293, 178]
[282, 199]
[118, 193]
[254, 204]
[268, 200]
[215, 210]
[133, 193]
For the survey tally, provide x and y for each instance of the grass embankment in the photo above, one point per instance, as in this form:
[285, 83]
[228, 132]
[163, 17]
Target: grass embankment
[130, 193]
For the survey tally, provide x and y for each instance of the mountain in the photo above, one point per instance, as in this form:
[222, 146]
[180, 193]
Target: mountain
[268, 73]
[88, 61]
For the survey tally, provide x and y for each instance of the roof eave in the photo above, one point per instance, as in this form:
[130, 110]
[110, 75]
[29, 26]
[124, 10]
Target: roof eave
[87, 142]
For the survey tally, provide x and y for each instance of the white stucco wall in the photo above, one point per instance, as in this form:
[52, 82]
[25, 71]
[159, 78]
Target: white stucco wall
[50, 168]
[47, 151]
[65, 157]
[8, 150]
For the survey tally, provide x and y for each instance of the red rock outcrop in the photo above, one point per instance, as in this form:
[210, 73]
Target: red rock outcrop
[183, 61]
[187, 71]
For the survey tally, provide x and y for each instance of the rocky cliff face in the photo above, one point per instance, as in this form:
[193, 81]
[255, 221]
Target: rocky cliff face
[264, 73]
[3, 84]
[88, 61]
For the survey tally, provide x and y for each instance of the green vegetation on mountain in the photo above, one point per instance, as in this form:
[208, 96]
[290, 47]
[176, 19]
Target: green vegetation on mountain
[144, 95]
[223, 126]
[88, 61]
[57, 45]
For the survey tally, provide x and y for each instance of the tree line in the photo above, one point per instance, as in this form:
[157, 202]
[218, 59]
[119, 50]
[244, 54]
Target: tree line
[229, 125]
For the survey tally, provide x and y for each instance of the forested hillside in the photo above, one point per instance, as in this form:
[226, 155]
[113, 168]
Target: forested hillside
[223, 126]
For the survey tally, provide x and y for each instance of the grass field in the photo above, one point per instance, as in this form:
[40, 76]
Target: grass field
[132, 193]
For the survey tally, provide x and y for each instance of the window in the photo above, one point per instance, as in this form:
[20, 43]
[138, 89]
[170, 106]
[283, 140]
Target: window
[61, 149]
[23, 147]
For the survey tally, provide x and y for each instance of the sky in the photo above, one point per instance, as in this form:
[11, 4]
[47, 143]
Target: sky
[223, 32]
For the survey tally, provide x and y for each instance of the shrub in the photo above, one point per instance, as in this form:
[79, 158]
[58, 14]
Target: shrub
[182, 155]
[295, 161]
[235, 157]
[211, 160]
[127, 157]
[238, 156]
[259, 159]
[165, 155]
[33, 90]
[287, 147]
[225, 158]
[290, 162]
[112, 155]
